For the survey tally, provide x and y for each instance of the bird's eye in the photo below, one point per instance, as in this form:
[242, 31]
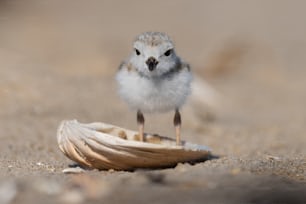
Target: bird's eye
[137, 52]
[168, 52]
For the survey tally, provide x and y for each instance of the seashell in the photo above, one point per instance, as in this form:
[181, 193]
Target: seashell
[103, 146]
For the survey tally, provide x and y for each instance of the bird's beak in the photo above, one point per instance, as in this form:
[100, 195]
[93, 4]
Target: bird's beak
[151, 63]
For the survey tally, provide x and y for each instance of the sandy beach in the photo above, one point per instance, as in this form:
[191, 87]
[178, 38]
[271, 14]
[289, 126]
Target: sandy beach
[58, 60]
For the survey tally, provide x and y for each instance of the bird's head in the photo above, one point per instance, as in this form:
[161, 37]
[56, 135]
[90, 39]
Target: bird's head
[153, 54]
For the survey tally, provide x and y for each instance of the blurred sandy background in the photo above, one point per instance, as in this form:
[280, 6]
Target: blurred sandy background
[58, 60]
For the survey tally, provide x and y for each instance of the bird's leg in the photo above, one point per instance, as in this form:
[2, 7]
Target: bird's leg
[140, 122]
[177, 124]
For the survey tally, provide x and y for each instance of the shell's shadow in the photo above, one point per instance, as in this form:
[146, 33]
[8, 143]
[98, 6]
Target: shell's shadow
[191, 162]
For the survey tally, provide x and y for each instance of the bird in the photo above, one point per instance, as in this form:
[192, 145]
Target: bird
[154, 79]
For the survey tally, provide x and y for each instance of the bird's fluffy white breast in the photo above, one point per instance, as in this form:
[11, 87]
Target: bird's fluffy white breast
[158, 95]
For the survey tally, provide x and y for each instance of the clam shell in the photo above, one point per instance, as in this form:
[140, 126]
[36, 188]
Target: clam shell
[103, 146]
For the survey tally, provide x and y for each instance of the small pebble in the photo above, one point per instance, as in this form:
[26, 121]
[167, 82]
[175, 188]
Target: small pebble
[8, 191]
[73, 170]
[235, 171]
[275, 158]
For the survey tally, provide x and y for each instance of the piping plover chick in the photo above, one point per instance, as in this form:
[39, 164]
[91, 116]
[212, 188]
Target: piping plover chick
[154, 79]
